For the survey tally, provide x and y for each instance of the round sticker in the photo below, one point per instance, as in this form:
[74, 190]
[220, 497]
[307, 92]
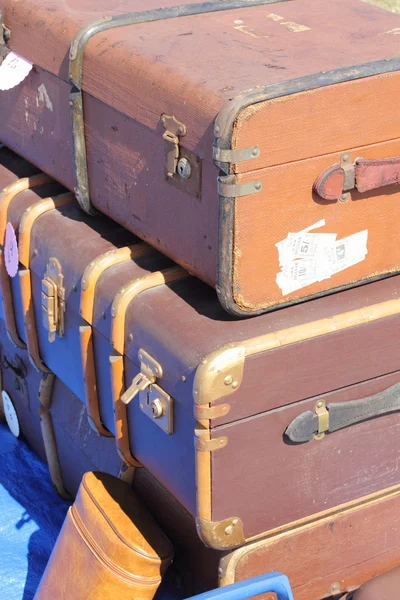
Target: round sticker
[11, 251]
[10, 414]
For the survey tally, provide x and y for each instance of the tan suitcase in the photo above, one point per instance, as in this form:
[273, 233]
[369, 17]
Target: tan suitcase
[109, 547]
[204, 131]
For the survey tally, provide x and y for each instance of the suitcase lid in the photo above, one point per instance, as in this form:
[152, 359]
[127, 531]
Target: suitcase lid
[163, 54]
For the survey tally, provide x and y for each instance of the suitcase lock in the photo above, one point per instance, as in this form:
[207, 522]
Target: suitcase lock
[53, 300]
[153, 401]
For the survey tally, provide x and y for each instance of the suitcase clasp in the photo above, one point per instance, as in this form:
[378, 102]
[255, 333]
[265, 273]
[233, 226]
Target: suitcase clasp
[53, 300]
[174, 130]
[150, 371]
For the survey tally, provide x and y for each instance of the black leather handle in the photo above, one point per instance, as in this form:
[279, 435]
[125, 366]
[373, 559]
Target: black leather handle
[343, 414]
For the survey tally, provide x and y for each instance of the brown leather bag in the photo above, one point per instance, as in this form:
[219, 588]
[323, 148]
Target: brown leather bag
[383, 587]
[108, 547]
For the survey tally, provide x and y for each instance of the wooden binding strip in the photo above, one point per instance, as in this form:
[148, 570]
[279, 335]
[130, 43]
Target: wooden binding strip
[90, 278]
[6, 197]
[49, 439]
[28, 219]
[117, 338]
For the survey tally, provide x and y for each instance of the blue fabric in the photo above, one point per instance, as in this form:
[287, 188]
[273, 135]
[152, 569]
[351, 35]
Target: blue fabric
[31, 515]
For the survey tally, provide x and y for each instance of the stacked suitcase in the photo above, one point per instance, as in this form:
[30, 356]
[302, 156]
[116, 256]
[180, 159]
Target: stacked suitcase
[267, 443]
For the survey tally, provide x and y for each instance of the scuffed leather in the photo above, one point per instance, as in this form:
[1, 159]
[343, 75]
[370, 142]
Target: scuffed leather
[372, 174]
[369, 175]
[329, 185]
[112, 546]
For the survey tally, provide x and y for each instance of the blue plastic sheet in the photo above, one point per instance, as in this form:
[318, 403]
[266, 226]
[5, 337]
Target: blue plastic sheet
[31, 515]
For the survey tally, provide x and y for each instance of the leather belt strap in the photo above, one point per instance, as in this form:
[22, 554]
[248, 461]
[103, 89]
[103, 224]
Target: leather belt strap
[77, 50]
[364, 175]
[343, 414]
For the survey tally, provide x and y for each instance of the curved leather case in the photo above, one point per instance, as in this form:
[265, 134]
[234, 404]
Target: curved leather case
[108, 547]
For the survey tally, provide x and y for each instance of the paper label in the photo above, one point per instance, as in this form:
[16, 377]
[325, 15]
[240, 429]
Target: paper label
[10, 414]
[306, 257]
[13, 70]
[11, 251]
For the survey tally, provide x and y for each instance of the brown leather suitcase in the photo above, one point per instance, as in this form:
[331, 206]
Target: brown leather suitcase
[254, 142]
[205, 402]
[114, 546]
[384, 587]
[326, 559]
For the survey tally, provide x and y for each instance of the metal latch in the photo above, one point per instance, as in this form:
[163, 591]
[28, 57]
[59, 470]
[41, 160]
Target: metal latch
[349, 176]
[150, 371]
[323, 419]
[53, 300]
[5, 35]
[174, 130]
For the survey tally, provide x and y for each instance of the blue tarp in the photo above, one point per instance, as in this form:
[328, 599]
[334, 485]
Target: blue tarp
[31, 515]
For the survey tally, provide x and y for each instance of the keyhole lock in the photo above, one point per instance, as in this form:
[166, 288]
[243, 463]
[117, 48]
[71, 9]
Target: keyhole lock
[157, 408]
[184, 168]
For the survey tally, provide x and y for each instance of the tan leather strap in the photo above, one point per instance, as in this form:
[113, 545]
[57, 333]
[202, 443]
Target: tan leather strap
[49, 440]
[363, 175]
[117, 337]
[90, 277]
[6, 197]
[25, 229]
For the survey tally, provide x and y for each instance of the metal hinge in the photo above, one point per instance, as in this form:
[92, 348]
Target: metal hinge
[150, 371]
[235, 156]
[323, 419]
[228, 189]
[174, 131]
[53, 300]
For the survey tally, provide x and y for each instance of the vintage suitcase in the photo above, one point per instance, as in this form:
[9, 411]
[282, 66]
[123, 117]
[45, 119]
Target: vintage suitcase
[254, 142]
[217, 409]
[383, 587]
[115, 546]
[325, 559]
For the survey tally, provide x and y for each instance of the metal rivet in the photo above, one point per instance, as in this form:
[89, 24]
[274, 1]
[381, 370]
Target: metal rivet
[344, 197]
[140, 356]
[229, 530]
[235, 521]
[130, 336]
[180, 130]
[35, 252]
[228, 380]
[320, 404]
[216, 129]
[258, 185]
[184, 379]
[255, 151]
[235, 385]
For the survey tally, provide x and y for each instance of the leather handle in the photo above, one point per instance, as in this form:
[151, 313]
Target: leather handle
[363, 175]
[342, 414]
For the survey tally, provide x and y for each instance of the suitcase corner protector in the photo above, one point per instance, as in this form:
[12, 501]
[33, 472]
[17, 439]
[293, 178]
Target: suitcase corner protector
[221, 535]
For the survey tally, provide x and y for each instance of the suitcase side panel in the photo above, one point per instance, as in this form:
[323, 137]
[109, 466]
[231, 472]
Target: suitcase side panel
[373, 212]
[308, 478]
[345, 549]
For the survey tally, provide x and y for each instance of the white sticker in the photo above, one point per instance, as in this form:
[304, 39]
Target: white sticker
[13, 70]
[10, 414]
[306, 258]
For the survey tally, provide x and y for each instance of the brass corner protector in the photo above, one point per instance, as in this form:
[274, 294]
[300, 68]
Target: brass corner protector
[221, 535]
[220, 374]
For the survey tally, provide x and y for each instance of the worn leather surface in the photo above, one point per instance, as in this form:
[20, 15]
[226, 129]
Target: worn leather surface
[344, 414]
[369, 175]
[109, 554]
[383, 587]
